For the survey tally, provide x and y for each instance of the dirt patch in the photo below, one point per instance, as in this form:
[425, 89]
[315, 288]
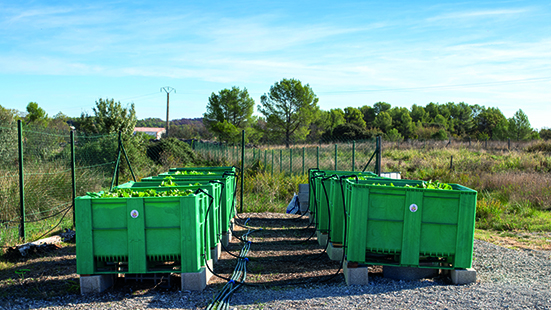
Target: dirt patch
[540, 241]
[50, 274]
[284, 251]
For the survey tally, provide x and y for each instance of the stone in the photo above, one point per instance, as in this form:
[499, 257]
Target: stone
[335, 252]
[215, 252]
[94, 284]
[463, 276]
[322, 238]
[196, 281]
[355, 274]
[226, 238]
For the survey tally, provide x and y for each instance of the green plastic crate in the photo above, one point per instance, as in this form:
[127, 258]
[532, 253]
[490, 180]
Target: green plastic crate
[214, 219]
[407, 226]
[228, 191]
[323, 203]
[141, 235]
[201, 169]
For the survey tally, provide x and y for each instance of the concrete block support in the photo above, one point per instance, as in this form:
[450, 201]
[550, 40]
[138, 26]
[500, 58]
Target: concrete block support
[355, 274]
[226, 238]
[93, 284]
[463, 276]
[215, 252]
[408, 273]
[335, 252]
[322, 238]
[303, 197]
[196, 281]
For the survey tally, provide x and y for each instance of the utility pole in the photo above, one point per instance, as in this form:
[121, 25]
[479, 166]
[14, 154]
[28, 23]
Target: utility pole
[167, 90]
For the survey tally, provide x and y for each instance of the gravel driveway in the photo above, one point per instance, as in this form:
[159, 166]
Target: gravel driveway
[512, 279]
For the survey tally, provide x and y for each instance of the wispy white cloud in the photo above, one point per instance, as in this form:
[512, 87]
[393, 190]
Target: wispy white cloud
[478, 14]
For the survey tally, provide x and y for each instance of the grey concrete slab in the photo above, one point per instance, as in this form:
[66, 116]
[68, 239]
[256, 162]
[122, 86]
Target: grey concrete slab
[463, 276]
[335, 252]
[93, 284]
[355, 274]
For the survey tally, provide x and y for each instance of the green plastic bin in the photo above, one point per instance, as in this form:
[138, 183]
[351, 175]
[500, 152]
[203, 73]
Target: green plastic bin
[390, 224]
[214, 219]
[141, 235]
[323, 203]
[203, 169]
[228, 190]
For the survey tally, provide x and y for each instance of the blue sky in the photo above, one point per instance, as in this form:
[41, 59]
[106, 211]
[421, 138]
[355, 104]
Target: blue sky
[65, 55]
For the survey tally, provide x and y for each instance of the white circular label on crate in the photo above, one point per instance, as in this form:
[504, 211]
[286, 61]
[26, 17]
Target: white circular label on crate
[134, 214]
[413, 207]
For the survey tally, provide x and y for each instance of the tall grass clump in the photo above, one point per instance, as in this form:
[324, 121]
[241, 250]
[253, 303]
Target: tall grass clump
[264, 192]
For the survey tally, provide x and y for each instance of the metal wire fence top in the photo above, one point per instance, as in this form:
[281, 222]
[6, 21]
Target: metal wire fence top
[341, 154]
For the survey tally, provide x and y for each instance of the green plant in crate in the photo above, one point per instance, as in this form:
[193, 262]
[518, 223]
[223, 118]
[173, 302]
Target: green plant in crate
[127, 193]
[432, 185]
[193, 173]
[168, 182]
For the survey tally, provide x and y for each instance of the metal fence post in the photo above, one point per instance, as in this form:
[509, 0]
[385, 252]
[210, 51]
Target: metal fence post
[379, 153]
[21, 182]
[291, 161]
[318, 157]
[73, 174]
[265, 162]
[280, 160]
[242, 167]
[303, 148]
[272, 162]
[336, 157]
[353, 155]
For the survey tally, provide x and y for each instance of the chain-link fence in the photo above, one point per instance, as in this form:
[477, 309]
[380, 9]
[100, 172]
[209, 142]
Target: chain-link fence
[347, 155]
[37, 193]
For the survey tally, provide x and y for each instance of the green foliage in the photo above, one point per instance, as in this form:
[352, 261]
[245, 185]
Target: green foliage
[193, 172]
[8, 136]
[433, 185]
[519, 126]
[229, 112]
[171, 152]
[346, 131]
[289, 108]
[545, 133]
[270, 193]
[380, 107]
[37, 115]
[368, 115]
[127, 193]
[383, 121]
[417, 113]
[440, 135]
[109, 117]
[393, 135]
[354, 116]
[336, 118]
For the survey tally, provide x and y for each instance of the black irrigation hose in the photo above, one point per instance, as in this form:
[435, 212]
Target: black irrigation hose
[58, 223]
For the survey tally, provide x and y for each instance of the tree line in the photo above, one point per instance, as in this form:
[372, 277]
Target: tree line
[290, 114]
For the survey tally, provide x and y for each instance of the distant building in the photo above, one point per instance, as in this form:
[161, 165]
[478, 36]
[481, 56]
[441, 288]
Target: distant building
[152, 131]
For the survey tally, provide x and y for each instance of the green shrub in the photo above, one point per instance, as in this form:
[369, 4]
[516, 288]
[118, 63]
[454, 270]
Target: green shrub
[171, 152]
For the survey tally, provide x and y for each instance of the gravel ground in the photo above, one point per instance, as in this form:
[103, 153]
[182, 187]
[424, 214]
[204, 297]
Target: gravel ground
[512, 279]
